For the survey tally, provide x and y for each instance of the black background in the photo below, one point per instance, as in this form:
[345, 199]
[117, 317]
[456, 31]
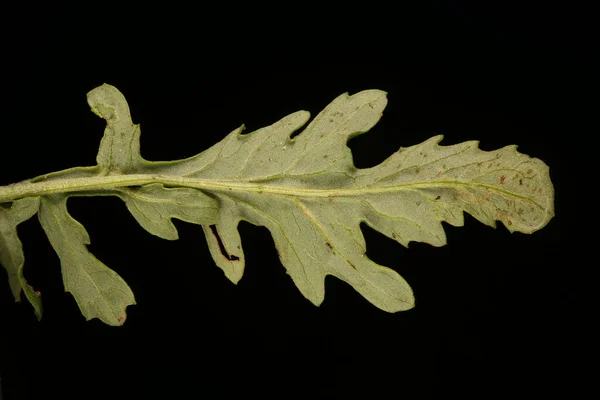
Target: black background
[496, 313]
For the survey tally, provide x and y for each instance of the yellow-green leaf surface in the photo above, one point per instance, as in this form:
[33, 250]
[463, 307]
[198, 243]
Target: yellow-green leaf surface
[305, 189]
[153, 206]
[312, 198]
[11, 249]
[99, 291]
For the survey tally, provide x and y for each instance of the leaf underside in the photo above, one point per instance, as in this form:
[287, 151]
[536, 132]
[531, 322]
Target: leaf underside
[11, 249]
[305, 190]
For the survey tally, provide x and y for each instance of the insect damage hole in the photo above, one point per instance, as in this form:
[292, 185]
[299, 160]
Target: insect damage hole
[231, 257]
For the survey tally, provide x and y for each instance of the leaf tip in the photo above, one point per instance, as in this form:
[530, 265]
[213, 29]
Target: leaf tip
[240, 129]
[234, 274]
[409, 304]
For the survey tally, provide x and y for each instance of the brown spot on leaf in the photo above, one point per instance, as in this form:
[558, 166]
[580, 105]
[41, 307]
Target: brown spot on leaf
[328, 245]
[439, 197]
[521, 182]
[502, 178]
[394, 235]
[121, 319]
[38, 293]
[509, 222]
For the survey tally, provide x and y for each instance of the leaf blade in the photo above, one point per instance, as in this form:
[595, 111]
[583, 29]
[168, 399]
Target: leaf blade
[99, 291]
[11, 250]
[500, 185]
[406, 197]
[224, 241]
[154, 205]
[120, 146]
[308, 193]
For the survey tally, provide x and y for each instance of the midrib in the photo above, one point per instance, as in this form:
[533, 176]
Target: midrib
[75, 186]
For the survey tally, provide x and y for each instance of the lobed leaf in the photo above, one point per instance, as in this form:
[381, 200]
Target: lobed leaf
[119, 150]
[153, 206]
[308, 193]
[305, 189]
[99, 291]
[11, 249]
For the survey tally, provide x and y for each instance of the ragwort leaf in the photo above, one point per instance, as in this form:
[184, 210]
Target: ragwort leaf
[11, 249]
[153, 206]
[305, 189]
[308, 193]
[99, 291]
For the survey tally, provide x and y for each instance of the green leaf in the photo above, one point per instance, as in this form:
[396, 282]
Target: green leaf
[99, 291]
[153, 206]
[120, 146]
[224, 234]
[305, 190]
[11, 249]
[312, 198]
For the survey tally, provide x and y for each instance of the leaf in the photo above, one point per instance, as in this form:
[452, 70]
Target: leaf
[230, 258]
[312, 198]
[120, 146]
[99, 291]
[305, 190]
[11, 249]
[284, 171]
[153, 206]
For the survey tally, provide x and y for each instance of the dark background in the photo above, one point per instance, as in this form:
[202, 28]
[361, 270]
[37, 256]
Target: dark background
[496, 313]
